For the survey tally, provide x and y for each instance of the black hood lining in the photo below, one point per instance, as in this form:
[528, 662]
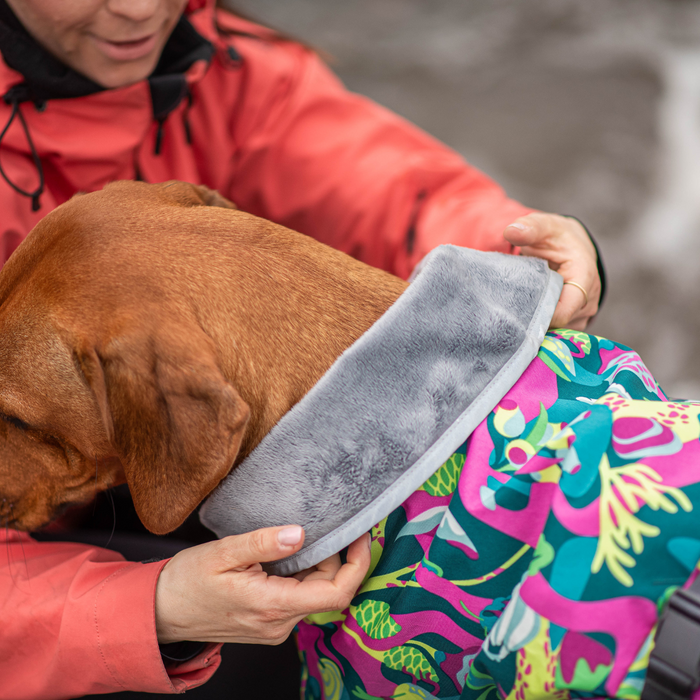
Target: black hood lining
[46, 78]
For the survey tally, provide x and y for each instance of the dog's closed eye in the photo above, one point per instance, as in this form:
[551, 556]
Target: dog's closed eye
[14, 421]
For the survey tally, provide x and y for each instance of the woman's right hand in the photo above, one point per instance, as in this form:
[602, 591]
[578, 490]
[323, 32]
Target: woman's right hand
[565, 244]
[218, 591]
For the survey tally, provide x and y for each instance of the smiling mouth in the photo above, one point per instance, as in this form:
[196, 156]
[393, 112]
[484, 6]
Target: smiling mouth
[133, 42]
[128, 50]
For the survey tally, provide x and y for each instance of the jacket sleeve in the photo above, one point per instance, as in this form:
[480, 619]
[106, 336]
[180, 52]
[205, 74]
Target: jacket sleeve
[79, 620]
[335, 165]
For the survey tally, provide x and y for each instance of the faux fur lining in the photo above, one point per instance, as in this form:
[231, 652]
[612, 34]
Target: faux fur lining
[395, 405]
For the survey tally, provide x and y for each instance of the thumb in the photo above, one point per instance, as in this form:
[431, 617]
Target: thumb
[524, 231]
[267, 544]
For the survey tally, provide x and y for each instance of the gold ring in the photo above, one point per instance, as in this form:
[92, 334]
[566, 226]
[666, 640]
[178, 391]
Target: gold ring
[578, 286]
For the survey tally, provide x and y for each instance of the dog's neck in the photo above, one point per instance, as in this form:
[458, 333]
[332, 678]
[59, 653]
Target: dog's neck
[303, 309]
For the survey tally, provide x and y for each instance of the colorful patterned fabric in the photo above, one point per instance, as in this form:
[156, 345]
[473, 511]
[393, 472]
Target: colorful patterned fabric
[535, 561]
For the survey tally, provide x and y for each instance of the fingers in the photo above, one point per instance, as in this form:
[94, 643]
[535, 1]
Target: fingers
[525, 231]
[218, 591]
[540, 231]
[352, 573]
[566, 246]
[574, 310]
[319, 592]
[359, 553]
[571, 304]
[327, 570]
[268, 544]
[329, 587]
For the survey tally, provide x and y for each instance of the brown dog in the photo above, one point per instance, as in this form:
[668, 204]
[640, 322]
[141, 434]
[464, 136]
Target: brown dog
[161, 359]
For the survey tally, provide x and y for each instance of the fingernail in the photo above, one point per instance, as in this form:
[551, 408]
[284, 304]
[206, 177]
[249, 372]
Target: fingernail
[369, 541]
[519, 226]
[290, 535]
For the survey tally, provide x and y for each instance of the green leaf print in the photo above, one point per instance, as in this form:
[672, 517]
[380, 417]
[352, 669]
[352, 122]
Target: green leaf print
[363, 695]
[553, 366]
[333, 688]
[664, 598]
[544, 555]
[539, 429]
[554, 353]
[578, 338]
[478, 681]
[406, 691]
[432, 566]
[374, 619]
[409, 660]
[444, 481]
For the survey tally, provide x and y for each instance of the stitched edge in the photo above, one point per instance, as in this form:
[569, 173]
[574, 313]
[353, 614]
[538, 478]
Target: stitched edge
[97, 627]
[224, 500]
[445, 445]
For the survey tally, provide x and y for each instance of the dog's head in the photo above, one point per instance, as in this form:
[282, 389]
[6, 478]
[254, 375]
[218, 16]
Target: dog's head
[95, 390]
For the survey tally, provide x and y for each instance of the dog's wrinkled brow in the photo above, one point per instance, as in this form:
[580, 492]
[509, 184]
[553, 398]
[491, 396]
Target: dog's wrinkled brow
[13, 420]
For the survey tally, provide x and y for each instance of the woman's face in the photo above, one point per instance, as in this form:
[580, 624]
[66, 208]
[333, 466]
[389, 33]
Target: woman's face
[113, 42]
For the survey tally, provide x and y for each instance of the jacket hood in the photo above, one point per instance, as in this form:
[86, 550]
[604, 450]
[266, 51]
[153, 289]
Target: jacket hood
[35, 75]
[44, 77]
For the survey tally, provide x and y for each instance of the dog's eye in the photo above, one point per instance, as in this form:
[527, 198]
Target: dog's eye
[14, 421]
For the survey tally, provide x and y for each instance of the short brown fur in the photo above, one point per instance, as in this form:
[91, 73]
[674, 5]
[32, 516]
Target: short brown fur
[153, 334]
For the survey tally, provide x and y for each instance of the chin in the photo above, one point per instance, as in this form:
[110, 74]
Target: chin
[123, 74]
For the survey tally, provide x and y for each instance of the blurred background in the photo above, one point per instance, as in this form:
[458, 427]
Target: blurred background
[590, 108]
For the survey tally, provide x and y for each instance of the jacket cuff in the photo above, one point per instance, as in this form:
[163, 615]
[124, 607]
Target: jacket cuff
[599, 260]
[176, 653]
[126, 635]
[197, 671]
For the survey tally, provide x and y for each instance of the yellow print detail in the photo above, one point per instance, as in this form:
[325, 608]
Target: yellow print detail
[622, 490]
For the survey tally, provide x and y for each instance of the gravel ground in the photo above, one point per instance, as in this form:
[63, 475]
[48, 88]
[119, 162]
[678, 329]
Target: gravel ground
[587, 108]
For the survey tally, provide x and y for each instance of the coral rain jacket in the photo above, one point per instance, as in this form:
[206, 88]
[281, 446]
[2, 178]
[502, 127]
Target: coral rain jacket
[263, 121]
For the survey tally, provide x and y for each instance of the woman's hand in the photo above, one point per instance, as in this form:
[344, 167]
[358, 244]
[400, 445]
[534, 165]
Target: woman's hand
[565, 245]
[218, 592]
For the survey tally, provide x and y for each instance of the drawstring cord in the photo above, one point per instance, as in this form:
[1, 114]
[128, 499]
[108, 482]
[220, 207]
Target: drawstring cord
[17, 112]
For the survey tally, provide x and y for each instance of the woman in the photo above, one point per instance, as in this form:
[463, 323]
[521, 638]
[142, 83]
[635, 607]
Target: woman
[99, 90]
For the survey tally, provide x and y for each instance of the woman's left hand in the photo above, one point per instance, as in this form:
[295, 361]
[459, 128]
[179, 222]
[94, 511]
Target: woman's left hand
[567, 247]
[218, 591]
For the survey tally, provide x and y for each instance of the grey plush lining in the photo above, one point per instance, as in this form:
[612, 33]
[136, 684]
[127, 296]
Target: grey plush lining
[395, 405]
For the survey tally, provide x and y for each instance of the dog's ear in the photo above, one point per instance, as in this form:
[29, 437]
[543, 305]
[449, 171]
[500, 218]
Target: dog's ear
[186, 194]
[174, 420]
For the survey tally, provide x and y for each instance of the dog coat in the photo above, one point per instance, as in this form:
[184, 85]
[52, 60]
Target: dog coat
[535, 559]
[535, 562]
